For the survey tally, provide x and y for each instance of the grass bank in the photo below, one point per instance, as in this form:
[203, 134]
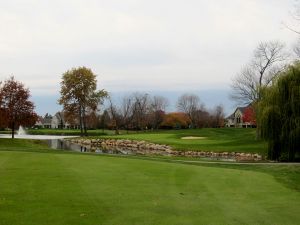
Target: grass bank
[212, 139]
[51, 187]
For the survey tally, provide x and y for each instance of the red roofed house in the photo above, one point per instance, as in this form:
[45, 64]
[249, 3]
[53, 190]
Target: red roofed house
[242, 117]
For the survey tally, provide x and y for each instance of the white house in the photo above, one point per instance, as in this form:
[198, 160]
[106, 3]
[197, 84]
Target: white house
[57, 121]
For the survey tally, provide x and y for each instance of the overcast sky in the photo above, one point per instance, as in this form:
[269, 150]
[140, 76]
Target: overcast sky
[137, 45]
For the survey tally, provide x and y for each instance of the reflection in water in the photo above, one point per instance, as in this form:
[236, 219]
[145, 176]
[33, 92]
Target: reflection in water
[64, 145]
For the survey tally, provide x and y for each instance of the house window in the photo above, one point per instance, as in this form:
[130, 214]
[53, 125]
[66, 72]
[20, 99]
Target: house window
[238, 119]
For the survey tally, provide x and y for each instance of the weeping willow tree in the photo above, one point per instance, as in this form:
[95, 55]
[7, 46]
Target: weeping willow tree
[280, 116]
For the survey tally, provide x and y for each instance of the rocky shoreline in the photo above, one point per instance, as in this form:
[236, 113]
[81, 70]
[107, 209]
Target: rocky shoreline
[147, 148]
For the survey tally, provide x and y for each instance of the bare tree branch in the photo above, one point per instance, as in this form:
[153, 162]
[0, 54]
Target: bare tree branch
[189, 104]
[268, 60]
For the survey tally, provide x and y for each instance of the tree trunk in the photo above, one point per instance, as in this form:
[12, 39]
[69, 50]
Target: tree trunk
[80, 122]
[13, 130]
[258, 136]
[84, 122]
[258, 130]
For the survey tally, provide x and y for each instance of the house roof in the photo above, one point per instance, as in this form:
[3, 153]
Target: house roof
[60, 116]
[47, 118]
[242, 109]
[230, 117]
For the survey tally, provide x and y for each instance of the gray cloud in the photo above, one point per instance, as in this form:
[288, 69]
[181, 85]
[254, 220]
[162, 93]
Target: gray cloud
[172, 45]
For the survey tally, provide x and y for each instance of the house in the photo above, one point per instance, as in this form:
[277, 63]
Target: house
[39, 122]
[46, 122]
[58, 121]
[242, 117]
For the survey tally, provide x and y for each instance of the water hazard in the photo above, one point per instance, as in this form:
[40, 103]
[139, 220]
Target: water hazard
[61, 144]
[67, 145]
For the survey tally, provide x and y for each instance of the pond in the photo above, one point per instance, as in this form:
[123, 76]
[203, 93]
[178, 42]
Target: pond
[67, 145]
[36, 137]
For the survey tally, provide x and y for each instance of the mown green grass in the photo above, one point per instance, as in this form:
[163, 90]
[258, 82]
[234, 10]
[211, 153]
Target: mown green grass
[51, 187]
[23, 145]
[219, 140]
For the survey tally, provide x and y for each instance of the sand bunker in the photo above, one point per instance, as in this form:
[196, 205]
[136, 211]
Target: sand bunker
[193, 138]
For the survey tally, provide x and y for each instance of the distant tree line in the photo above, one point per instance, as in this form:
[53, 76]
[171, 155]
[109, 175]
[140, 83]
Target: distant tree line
[143, 112]
[140, 111]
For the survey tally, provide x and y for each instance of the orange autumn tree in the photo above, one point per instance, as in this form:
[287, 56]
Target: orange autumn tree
[176, 120]
[15, 105]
